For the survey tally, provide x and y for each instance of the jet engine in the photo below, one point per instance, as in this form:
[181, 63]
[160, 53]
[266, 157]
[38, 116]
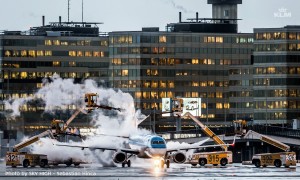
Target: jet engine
[119, 157]
[179, 157]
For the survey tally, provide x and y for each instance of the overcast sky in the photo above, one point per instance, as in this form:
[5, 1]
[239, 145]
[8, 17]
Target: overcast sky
[127, 15]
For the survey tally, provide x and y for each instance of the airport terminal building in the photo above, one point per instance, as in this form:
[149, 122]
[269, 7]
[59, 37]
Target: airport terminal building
[250, 76]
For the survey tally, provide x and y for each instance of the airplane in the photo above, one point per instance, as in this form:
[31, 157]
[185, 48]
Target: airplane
[148, 146]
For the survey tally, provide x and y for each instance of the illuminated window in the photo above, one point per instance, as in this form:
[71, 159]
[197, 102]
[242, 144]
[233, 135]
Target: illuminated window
[162, 84]
[154, 84]
[88, 53]
[96, 54]
[195, 61]
[219, 105]
[203, 83]
[125, 72]
[226, 106]
[80, 43]
[72, 75]
[211, 83]
[171, 84]
[72, 53]
[24, 53]
[162, 39]
[72, 63]
[210, 39]
[116, 61]
[195, 94]
[40, 53]
[56, 64]
[219, 39]
[39, 85]
[16, 53]
[7, 53]
[23, 75]
[219, 95]
[31, 53]
[138, 95]
[195, 83]
[79, 53]
[48, 53]
[87, 42]
[271, 70]
[48, 42]
[64, 43]
[56, 42]
[101, 54]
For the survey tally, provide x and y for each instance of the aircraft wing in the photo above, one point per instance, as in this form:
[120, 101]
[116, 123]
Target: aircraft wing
[125, 150]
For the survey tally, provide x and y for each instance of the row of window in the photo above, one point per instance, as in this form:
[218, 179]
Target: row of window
[39, 53]
[277, 70]
[178, 50]
[170, 39]
[34, 75]
[277, 47]
[277, 105]
[172, 61]
[56, 42]
[36, 64]
[273, 116]
[277, 59]
[278, 35]
[276, 81]
[277, 93]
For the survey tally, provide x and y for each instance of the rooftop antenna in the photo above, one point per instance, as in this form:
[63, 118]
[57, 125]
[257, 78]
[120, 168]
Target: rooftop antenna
[82, 11]
[68, 10]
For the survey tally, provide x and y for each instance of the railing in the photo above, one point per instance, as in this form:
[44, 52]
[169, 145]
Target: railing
[262, 129]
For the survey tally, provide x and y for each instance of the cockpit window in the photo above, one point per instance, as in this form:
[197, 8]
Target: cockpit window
[158, 142]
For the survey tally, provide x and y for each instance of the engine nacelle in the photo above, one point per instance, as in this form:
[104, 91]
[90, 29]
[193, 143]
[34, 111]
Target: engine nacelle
[119, 157]
[179, 157]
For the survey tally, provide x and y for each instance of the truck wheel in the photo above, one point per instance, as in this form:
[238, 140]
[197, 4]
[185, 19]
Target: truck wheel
[69, 162]
[43, 163]
[26, 163]
[223, 162]
[277, 163]
[202, 162]
[76, 164]
[257, 163]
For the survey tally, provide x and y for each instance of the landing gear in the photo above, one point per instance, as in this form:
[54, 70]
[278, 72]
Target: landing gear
[168, 163]
[128, 163]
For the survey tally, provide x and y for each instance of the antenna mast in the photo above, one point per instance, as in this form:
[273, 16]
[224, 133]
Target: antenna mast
[82, 10]
[68, 10]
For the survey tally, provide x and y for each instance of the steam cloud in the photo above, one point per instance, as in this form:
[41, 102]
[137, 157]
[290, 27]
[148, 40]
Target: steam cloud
[58, 93]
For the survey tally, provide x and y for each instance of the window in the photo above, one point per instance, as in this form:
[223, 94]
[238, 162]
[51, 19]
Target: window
[219, 39]
[48, 42]
[162, 39]
[72, 63]
[56, 64]
[31, 53]
[56, 42]
[79, 53]
[72, 53]
[226, 13]
[24, 53]
[88, 53]
[40, 53]
[48, 53]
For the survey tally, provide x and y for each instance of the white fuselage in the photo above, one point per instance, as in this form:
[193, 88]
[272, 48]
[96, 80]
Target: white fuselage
[149, 146]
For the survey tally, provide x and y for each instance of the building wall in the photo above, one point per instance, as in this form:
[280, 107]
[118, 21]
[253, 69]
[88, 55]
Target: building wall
[215, 67]
[276, 74]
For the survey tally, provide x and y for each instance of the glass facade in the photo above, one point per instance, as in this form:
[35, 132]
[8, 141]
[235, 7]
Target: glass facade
[276, 75]
[213, 66]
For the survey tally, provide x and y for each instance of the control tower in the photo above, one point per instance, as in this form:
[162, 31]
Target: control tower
[224, 9]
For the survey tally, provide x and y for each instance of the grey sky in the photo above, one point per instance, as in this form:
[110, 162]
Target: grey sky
[125, 15]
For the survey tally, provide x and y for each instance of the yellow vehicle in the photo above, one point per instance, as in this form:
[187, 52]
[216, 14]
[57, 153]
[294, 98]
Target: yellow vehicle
[285, 159]
[215, 158]
[24, 159]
